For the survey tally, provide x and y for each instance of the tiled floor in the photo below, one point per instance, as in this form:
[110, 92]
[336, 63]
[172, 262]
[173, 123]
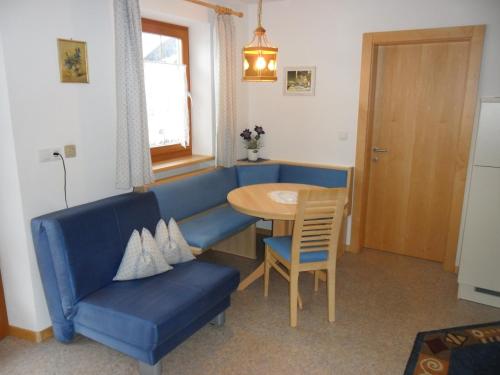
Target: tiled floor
[383, 300]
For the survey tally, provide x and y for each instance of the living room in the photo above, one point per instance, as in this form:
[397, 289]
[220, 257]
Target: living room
[391, 282]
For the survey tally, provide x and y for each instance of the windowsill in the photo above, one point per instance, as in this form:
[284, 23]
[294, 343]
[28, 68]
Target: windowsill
[180, 162]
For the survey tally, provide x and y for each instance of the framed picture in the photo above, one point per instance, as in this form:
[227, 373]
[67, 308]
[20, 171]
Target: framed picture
[300, 80]
[73, 61]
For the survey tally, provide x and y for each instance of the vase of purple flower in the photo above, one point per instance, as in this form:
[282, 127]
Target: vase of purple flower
[253, 154]
[253, 143]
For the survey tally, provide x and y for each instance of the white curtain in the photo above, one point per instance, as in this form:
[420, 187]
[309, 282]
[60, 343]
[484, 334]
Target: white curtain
[167, 99]
[225, 84]
[133, 163]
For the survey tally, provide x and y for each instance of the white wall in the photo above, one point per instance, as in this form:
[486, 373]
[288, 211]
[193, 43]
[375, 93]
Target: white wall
[13, 242]
[46, 113]
[328, 34]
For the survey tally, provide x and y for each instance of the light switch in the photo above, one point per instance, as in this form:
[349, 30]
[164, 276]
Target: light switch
[343, 136]
[70, 151]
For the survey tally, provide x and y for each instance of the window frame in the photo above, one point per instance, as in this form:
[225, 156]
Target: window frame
[163, 153]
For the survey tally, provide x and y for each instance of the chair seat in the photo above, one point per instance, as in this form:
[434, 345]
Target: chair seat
[146, 312]
[214, 226]
[283, 246]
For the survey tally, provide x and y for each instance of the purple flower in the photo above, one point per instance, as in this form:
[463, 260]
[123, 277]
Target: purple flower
[246, 135]
[259, 130]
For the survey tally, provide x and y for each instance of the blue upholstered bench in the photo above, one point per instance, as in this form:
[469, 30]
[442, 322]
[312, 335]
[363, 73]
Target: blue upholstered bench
[200, 206]
[199, 202]
[79, 251]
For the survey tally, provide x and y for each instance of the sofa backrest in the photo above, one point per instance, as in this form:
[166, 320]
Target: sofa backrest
[257, 174]
[325, 177]
[80, 249]
[188, 196]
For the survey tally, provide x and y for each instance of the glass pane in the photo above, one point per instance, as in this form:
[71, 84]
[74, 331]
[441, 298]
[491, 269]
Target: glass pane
[166, 99]
[161, 48]
[166, 90]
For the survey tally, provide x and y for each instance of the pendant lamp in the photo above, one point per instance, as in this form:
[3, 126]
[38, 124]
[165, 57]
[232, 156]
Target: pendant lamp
[260, 56]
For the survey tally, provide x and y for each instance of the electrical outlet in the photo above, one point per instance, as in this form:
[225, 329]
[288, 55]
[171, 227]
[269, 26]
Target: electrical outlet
[48, 154]
[70, 151]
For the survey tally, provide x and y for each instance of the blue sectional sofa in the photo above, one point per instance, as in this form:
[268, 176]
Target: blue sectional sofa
[79, 251]
[201, 201]
[203, 196]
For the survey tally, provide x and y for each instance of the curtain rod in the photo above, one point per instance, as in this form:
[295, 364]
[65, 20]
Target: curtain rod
[218, 9]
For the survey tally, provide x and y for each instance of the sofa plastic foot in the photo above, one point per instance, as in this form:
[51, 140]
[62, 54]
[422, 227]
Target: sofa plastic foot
[219, 320]
[145, 369]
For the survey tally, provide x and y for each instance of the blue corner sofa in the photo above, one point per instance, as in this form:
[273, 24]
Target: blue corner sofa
[201, 201]
[79, 250]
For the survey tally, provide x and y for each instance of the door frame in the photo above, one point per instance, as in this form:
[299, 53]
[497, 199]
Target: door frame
[371, 41]
[4, 323]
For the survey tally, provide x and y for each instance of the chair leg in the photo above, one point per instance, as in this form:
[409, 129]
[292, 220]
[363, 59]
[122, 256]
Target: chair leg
[267, 265]
[145, 369]
[316, 281]
[294, 290]
[299, 299]
[331, 294]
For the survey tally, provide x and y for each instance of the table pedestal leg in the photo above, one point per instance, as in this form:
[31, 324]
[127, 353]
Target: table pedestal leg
[282, 227]
[259, 272]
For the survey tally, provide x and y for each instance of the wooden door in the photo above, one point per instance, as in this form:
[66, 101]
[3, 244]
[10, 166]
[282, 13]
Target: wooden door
[4, 324]
[418, 102]
[419, 72]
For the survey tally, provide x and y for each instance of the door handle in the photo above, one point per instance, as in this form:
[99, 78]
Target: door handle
[378, 149]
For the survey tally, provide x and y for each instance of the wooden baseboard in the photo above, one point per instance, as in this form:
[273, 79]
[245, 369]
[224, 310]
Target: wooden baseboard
[32, 336]
[4, 322]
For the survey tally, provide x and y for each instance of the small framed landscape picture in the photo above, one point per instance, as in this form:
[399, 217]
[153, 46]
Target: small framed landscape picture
[300, 80]
[73, 61]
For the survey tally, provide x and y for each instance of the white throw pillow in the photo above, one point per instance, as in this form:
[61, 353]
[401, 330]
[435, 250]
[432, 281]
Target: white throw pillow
[142, 258]
[170, 250]
[150, 247]
[161, 235]
[178, 244]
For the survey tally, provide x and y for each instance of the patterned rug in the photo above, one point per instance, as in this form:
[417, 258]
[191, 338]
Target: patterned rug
[469, 350]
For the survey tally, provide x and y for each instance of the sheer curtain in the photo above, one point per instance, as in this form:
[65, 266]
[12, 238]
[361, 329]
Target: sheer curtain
[167, 93]
[225, 81]
[133, 158]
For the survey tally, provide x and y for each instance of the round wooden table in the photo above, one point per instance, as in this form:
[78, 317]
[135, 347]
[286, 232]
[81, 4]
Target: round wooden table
[254, 200]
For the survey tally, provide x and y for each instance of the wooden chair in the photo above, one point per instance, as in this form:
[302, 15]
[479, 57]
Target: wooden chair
[313, 246]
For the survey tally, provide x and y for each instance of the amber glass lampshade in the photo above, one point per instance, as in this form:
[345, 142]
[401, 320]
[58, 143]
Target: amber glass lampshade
[260, 58]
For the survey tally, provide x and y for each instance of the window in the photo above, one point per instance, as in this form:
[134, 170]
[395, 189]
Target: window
[166, 76]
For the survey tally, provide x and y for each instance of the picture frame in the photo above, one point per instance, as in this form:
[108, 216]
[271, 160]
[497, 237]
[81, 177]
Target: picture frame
[300, 80]
[73, 62]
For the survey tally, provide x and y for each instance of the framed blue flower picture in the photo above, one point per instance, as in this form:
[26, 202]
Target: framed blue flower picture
[73, 61]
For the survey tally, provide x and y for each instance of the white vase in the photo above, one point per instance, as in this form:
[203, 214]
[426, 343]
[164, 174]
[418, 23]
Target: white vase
[253, 154]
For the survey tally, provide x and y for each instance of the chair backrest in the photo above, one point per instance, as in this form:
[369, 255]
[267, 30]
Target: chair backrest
[318, 222]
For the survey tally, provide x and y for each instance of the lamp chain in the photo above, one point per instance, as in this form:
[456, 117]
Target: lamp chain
[260, 13]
